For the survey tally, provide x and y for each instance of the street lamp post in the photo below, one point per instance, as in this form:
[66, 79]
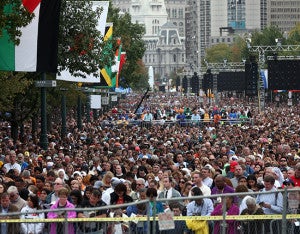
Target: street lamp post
[43, 136]
[63, 114]
[79, 120]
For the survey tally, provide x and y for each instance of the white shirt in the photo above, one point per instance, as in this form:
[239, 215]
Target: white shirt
[207, 181]
[9, 166]
[205, 190]
[243, 204]
[106, 195]
[28, 213]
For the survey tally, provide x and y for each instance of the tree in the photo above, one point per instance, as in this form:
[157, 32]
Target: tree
[132, 43]
[18, 99]
[267, 36]
[13, 16]
[80, 43]
[294, 35]
[218, 53]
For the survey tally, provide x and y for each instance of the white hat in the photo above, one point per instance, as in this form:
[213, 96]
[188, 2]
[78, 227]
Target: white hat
[76, 173]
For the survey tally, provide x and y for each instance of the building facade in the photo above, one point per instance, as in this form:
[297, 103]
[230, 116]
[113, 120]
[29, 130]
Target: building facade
[164, 23]
[283, 13]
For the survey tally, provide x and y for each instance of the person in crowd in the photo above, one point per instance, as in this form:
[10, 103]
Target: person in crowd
[53, 196]
[94, 202]
[15, 198]
[220, 188]
[138, 210]
[238, 173]
[30, 212]
[231, 209]
[197, 180]
[2, 188]
[200, 206]
[119, 196]
[180, 225]
[169, 191]
[155, 207]
[61, 203]
[252, 183]
[43, 199]
[206, 174]
[12, 164]
[253, 226]
[76, 198]
[296, 176]
[271, 203]
[242, 198]
[6, 208]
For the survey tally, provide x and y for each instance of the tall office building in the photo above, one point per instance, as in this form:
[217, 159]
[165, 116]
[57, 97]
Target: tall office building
[198, 32]
[283, 13]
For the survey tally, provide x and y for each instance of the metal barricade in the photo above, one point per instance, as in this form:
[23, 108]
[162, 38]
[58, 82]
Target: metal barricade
[243, 224]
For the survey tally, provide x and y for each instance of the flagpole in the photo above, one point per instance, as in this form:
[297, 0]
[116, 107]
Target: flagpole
[43, 136]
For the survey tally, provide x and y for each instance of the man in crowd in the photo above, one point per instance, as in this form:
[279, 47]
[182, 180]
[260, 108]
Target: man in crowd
[15, 198]
[94, 201]
[197, 180]
[6, 208]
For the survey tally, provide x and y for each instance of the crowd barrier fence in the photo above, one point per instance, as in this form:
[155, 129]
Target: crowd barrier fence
[185, 123]
[287, 222]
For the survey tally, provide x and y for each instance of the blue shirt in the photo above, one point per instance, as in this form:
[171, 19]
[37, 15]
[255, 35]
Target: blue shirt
[276, 201]
[204, 209]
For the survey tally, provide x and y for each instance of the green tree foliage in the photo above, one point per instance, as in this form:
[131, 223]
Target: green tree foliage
[132, 43]
[18, 100]
[267, 36]
[218, 53]
[294, 35]
[80, 43]
[13, 16]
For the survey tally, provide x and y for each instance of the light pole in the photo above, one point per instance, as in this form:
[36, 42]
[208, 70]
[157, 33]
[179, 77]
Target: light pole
[43, 136]
[63, 113]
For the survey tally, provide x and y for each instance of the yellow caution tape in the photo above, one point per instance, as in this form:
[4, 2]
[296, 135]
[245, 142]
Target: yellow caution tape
[128, 219]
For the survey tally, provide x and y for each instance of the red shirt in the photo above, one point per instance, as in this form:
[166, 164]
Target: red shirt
[296, 181]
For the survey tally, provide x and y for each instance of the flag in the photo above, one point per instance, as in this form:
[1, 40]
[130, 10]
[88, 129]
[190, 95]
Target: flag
[106, 72]
[116, 67]
[37, 51]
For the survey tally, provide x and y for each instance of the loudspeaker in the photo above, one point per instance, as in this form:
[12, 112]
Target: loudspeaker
[231, 81]
[185, 84]
[284, 74]
[251, 78]
[162, 88]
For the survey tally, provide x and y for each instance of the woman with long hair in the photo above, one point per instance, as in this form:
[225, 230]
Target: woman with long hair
[29, 212]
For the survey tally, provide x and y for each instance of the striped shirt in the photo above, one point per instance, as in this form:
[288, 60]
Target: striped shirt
[276, 201]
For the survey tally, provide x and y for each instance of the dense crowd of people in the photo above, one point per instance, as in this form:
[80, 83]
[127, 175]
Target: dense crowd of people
[170, 146]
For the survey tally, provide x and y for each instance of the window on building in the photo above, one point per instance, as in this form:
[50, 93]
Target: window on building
[180, 13]
[174, 13]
